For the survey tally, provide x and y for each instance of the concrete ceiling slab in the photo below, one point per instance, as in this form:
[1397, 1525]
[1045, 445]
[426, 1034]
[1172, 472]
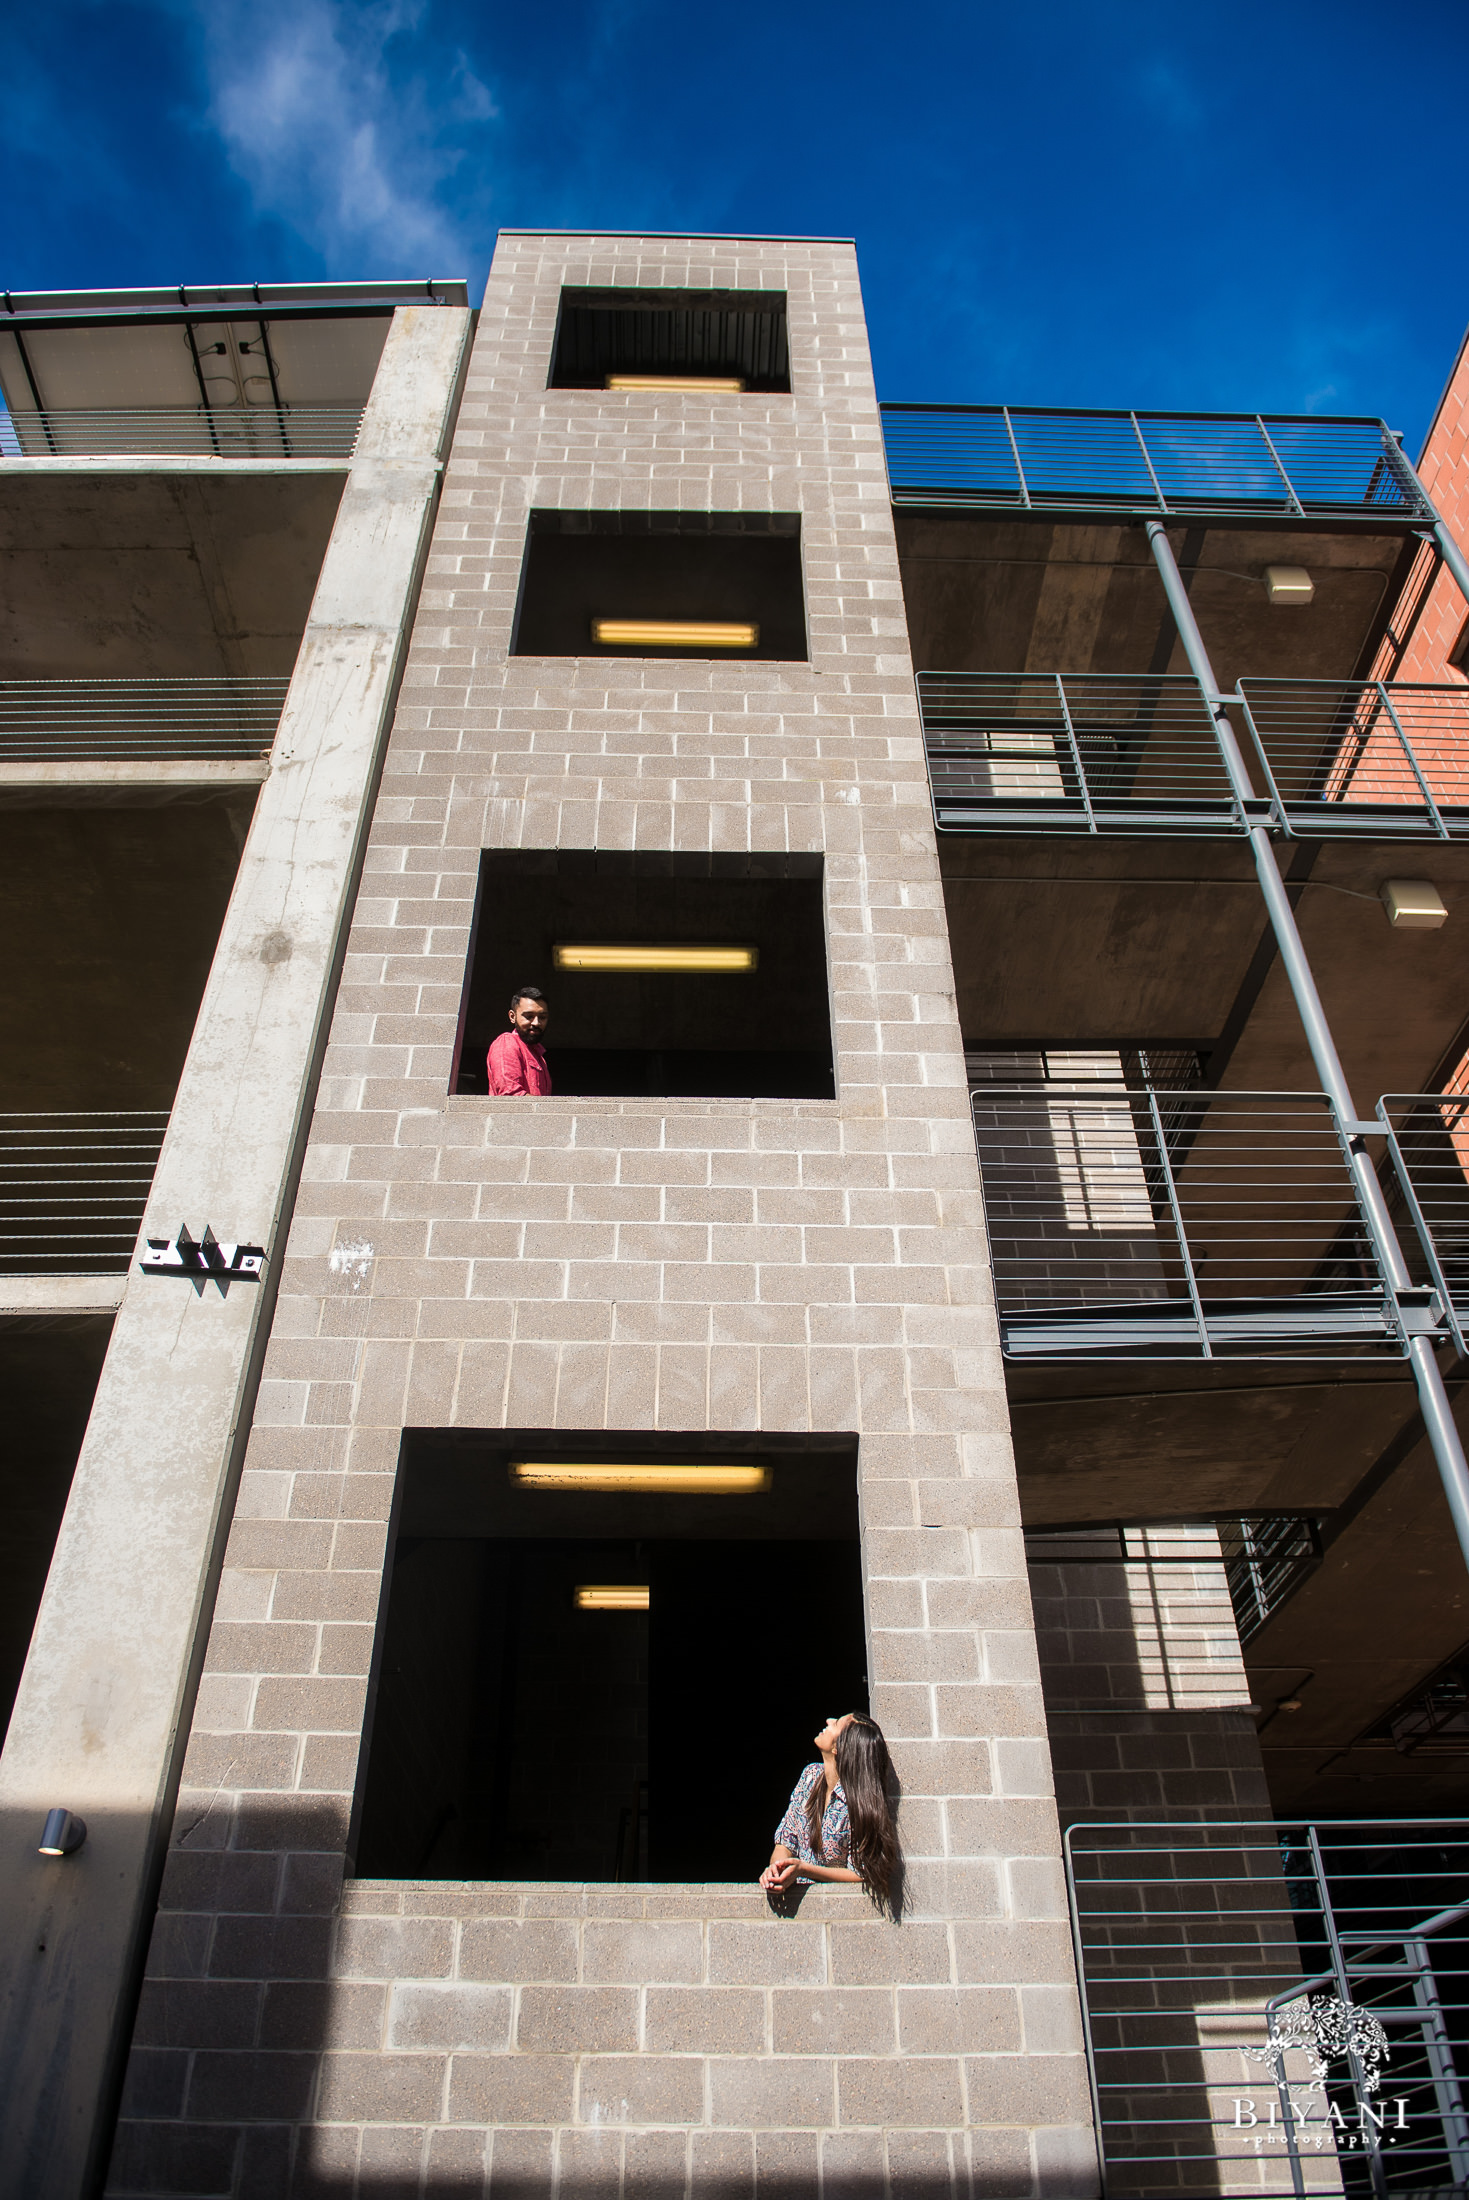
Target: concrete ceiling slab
[142, 575]
[992, 595]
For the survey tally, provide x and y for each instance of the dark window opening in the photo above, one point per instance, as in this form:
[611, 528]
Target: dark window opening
[738, 334]
[735, 569]
[49, 1367]
[1459, 654]
[516, 1735]
[761, 1033]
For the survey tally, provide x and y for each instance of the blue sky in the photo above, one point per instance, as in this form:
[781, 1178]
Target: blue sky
[1218, 204]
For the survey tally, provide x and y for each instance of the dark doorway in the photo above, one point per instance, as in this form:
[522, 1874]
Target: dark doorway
[518, 1734]
[764, 1033]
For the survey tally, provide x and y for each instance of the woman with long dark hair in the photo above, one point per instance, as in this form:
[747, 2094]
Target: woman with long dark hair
[839, 1824]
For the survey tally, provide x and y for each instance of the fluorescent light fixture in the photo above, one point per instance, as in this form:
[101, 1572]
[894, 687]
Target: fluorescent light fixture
[1289, 584]
[730, 384]
[567, 956]
[628, 1481]
[62, 1833]
[1413, 904]
[611, 1596]
[701, 634]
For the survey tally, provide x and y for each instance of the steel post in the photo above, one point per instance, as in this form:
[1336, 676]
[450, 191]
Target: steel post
[1433, 1398]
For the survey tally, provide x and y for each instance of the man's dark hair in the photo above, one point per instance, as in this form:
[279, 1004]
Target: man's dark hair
[526, 993]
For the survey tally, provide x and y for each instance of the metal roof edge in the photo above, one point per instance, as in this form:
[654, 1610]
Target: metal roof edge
[694, 236]
[184, 299]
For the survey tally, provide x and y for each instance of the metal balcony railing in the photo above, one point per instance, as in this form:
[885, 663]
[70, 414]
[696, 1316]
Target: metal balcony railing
[73, 1188]
[61, 721]
[1277, 2007]
[1149, 1224]
[1428, 1145]
[1221, 465]
[1138, 753]
[247, 431]
[1083, 753]
[1265, 1562]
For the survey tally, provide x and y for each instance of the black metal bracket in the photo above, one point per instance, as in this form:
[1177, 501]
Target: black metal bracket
[203, 1259]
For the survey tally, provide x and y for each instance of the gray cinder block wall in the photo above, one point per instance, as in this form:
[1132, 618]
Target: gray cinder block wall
[633, 1265]
[1147, 1698]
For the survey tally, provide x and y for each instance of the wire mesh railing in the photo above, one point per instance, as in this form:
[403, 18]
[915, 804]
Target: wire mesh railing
[1277, 2007]
[1072, 752]
[244, 431]
[1148, 1224]
[61, 721]
[1428, 1147]
[1246, 465]
[1366, 757]
[73, 1188]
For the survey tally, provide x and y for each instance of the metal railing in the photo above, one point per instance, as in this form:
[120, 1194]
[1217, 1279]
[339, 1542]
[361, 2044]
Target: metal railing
[73, 1188]
[59, 721]
[1362, 756]
[1068, 752]
[1239, 465]
[1139, 753]
[1265, 1561]
[1428, 1146]
[1149, 1224]
[1278, 2007]
[246, 431]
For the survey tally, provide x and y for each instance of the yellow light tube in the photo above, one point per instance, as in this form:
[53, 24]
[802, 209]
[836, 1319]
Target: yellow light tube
[730, 384]
[587, 957]
[701, 634]
[611, 1597]
[660, 1480]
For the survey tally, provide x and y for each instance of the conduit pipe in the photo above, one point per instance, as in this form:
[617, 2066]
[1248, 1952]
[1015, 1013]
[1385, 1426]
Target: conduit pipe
[1438, 1417]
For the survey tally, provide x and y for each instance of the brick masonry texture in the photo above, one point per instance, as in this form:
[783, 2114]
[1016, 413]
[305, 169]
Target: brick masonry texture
[469, 1263]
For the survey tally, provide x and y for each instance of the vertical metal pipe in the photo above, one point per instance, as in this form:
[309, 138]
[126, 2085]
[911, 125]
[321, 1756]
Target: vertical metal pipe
[1433, 1399]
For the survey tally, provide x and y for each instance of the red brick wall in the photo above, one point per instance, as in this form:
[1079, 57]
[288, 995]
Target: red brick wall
[1444, 472]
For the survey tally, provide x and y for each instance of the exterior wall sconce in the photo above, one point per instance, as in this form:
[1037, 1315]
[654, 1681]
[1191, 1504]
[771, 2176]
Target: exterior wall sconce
[1289, 584]
[666, 1481]
[708, 959]
[202, 1258]
[611, 1597]
[1412, 904]
[701, 634]
[63, 1833]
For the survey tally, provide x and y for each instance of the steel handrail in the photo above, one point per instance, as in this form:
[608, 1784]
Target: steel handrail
[1049, 458]
[140, 431]
[49, 721]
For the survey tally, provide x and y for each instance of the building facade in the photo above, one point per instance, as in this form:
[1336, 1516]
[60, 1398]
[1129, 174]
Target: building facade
[943, 1279]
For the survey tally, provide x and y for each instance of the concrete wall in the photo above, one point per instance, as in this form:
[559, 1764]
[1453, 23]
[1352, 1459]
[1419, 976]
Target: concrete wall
[691, 1265]
[108, 1686]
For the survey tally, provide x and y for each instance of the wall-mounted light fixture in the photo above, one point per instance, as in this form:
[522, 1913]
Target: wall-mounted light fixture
[1287, 584]
[62, 1834]
[567, 956]
[611, 1596]
[701, 634]
[1413, 904]
[665, 1480]
[730, 384]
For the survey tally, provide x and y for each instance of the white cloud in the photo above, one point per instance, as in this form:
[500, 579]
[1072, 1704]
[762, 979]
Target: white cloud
[348, 124]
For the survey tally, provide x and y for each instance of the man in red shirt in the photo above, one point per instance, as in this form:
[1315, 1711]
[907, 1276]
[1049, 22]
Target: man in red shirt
[517, 1059]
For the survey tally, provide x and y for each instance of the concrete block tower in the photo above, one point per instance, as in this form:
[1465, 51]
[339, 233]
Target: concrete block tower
[797, 1276]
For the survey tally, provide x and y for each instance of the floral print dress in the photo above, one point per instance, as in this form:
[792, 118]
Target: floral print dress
[836, 1830]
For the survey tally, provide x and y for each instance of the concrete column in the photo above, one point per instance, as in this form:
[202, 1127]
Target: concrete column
[108, 1688]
